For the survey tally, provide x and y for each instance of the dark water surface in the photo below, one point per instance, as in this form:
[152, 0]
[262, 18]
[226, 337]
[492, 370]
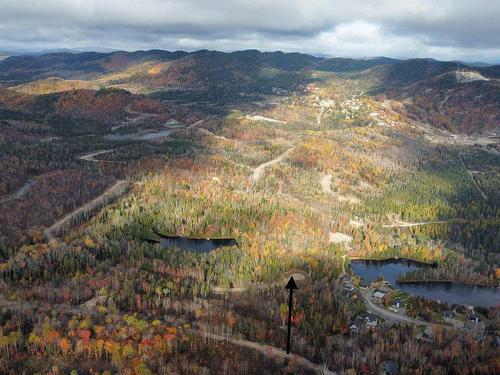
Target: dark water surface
[445, 292]
[199, 245]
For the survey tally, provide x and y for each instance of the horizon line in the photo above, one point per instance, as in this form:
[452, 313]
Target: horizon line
[29, 52]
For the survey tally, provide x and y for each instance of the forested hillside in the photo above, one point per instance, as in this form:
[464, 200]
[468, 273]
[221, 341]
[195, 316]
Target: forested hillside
[304, 165]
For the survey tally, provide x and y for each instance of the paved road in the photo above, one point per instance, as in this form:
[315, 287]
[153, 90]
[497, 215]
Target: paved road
[389, 315]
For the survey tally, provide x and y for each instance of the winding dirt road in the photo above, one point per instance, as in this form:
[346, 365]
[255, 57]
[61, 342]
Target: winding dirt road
[91, 157]
[259, 171]
[403, 224]
[264, 118]
[20, 192]
[140, 115]
[269, 351]
[115, 191]
[131, 121]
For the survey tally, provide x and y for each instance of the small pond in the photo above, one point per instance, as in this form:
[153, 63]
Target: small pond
[452, 293]
[199, 245]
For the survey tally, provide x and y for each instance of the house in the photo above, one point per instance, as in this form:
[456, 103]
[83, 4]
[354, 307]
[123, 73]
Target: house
[474, 318]
[346, 279]
[495, 341]
[398, 303]
[449, 315]
[389, 368]
[427, 333]
[371, 320]
[378, 296]
[384, 289]
[354, 329]
[349, 287]
[368, 319]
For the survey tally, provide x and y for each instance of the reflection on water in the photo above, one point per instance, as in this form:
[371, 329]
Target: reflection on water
[445, 292]
[198, 245]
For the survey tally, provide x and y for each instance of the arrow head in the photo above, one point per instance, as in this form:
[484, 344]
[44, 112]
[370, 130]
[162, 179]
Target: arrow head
[291, 284]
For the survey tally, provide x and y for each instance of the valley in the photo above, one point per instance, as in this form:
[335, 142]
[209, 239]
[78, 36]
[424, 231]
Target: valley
[307, 163]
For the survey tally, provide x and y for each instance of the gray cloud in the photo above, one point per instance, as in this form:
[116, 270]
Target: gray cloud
[446, 29]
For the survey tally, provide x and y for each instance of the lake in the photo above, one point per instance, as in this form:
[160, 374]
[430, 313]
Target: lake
[199, 245]
[453, 293]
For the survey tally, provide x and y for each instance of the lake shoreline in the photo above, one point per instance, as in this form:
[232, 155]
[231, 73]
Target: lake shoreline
[166, 236]
[424, 281]
[395, 259]
[446, 281]
[440, 289]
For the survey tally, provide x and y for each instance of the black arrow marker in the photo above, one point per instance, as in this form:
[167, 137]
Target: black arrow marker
[290, 285]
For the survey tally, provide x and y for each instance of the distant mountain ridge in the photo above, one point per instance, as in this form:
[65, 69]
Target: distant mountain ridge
[89, 65]
[452, 95]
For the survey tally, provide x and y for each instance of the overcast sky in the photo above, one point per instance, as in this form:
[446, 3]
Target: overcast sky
[445, 29]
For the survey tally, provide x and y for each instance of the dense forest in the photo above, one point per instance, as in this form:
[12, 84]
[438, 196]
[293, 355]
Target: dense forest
[306, 163]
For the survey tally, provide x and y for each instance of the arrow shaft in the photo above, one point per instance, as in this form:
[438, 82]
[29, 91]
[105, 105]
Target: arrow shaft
[289, 322]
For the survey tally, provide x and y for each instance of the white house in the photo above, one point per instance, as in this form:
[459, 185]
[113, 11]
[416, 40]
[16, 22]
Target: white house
[378, 296]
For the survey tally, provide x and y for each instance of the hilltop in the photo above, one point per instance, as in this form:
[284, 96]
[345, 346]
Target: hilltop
[418, 84]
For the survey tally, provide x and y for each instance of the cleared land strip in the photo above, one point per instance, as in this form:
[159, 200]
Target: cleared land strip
[473, 178]
[269, 351]
[141, 115]
[259, 171]
[326, 183]
[264, 118]
[115, 191]
[399, 223]
[20, 192]
[91, 157]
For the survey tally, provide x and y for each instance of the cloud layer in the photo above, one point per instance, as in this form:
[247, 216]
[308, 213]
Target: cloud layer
[445, 29]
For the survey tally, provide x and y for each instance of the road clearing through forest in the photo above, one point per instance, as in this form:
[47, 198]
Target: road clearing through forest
[141, 115]
[268, 351]
[263, 118]
[299, 276]
[19, 192]
[259, 171]
[471, 175]
[319, 117]
[115, 191]
[403, 224]
[91, 157]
